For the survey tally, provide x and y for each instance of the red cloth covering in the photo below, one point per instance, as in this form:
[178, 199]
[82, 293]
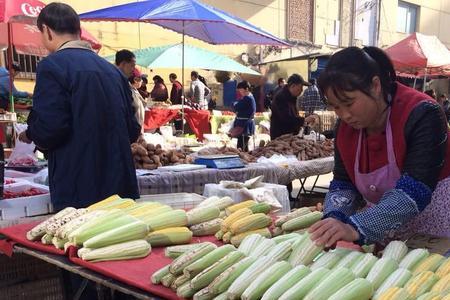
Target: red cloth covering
[17, 234]
[198, 120]
[157, 117]
[137, 272]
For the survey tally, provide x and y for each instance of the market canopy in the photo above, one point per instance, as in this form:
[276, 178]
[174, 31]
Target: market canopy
[419, 55]
[170, 56]
[189, 17]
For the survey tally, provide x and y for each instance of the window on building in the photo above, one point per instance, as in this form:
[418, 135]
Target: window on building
[27, 62]
[406, 17]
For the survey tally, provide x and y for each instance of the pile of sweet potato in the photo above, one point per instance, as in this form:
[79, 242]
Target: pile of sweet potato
[246, 157]
[289, 144]
[149, 156]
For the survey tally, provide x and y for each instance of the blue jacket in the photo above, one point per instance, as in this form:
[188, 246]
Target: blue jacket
[245, 111]
[4, 86]
[83, 118]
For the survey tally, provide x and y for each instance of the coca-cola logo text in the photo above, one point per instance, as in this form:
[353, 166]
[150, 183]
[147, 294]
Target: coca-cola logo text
[29, 10]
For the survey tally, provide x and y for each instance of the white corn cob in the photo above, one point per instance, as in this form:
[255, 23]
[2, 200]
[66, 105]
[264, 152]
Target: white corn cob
[122, 251]
[286, 237]
[206, 261]
[381, 271]
[280, 251]
[250, 242]
[349, 260]
[263, 248]
[333, 282]
[301, 288]
[413, 258]
[359, 288]
[176, 251]
[286, 282]
[221, 203]
[395, 250]
[397, 279]
[39, 230]
[178, 265]
[54, 226]
[64, 231]
[363, 267]
[327, 260]
[305, 252]
[158, 275]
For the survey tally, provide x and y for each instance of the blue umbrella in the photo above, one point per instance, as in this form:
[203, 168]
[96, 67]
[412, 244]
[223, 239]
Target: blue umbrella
[189, 17]
[170, 56]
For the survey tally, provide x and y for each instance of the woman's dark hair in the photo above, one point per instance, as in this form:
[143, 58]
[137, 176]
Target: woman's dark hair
[194, 74]
[243, 85]
[202, 79]
[353, 69]
[60, 18]
[158, 79]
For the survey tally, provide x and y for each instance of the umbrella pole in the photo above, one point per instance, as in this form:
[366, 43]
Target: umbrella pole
[415, 80]
[9, 58]
[424, 80]
[182, 81]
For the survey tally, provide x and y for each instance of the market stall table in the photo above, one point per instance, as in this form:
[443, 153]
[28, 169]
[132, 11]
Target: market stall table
[160, 182]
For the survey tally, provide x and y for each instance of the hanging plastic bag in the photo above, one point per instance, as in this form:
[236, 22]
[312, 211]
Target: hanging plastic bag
[23, 154]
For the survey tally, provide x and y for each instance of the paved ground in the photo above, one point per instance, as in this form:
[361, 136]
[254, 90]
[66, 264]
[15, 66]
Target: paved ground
[319, 192]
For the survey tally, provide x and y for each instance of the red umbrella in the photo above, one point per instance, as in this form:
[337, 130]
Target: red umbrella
[17, 28]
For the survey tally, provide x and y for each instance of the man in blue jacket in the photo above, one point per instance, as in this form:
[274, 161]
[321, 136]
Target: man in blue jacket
[82, 116]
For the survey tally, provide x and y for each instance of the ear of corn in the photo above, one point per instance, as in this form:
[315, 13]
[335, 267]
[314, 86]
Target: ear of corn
[333, 282]
[395, 293]
[147, 214]
[263, 248]
[207, 228]
[179, 281]
[292, 215]
[444, 269]
[430, 296]
[247, 277]
[327, 260]
[169, 236]
[47, 239]
[119, 204]
[278, 231]
[397, 279]
[158, 275]
[381, 271]
[252, 222]
[64, 231]
[67, 245]
[286, 237]
[133, 231]
[204, 278]
[173, 218]
[395, 250]
[285, 282]
[178, 265]
[176, 251]
[431, 263]
[212, 257]
[305, 252]
[237, 239]
[220, 284]
[82, 251]
[362, 268]
[226, 238]
[413, 258]
[220, 203]
[219, 235]
[265, 280]
[111, 219]
[142, 207]
[235, 216]
[58, 243]
[103, 203]
[222, 296]
[203, 294]
[350, 259]
[260, 208]
[280, 251]
[421, 283]
[231, 209]
[442, 285]
[202, 214]
[121, 251]
[53, 227]
[168, 279]
[185, 291]
[38, 231]
[360, 289]
[302, 221]
[305, 285]
[250, 242]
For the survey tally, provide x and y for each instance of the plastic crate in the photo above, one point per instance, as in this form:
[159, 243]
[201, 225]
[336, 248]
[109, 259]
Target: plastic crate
[22, 267]
[175, 200]
[21, 207]
[43, 289]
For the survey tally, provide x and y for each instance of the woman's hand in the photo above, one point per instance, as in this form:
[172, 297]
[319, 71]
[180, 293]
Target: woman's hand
[329, 231]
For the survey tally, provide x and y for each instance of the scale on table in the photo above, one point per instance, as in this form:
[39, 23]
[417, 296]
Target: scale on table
[220, 161]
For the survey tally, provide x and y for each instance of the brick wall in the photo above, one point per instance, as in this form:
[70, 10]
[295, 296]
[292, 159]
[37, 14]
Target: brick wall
[300, 20]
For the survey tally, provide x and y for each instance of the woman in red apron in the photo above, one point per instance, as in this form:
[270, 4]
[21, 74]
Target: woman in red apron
[392, 155]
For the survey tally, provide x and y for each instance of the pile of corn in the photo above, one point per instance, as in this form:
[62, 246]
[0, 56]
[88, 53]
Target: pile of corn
[243, 219]
[291, 266]
[297, 221]
[114, 229]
